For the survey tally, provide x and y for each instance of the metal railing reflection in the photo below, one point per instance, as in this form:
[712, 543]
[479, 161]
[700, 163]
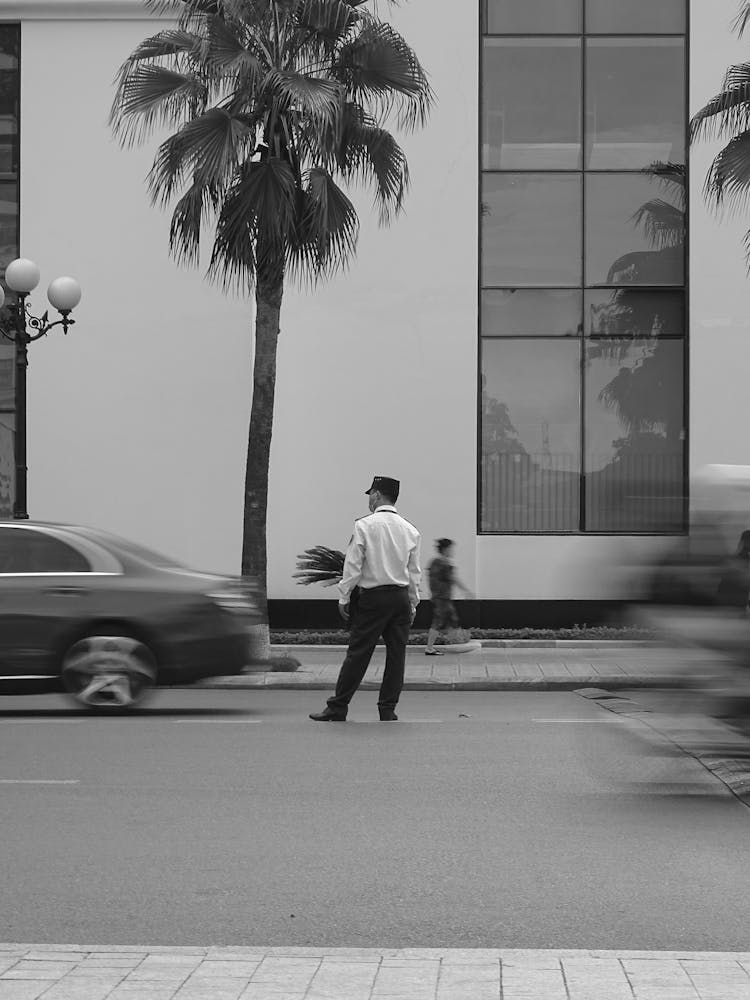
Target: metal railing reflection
[542, 492]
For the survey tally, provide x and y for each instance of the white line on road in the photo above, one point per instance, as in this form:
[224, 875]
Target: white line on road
[34, 722]
[39, 781]
[222, 722]
[590, 722]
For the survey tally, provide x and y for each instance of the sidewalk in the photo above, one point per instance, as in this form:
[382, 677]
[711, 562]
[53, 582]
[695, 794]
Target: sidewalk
[562, 667]
[85, 972]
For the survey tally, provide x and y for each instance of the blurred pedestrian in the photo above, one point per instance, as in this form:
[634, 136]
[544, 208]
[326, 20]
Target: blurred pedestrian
[443, 580]
[382, 560]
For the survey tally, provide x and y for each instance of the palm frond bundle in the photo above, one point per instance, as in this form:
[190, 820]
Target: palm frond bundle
[319, 565]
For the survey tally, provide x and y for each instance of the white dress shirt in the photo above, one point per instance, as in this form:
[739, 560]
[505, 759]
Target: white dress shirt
[384, 550]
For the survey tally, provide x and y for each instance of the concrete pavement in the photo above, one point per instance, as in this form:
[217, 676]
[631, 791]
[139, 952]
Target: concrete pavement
[84, 972]
[562, 666]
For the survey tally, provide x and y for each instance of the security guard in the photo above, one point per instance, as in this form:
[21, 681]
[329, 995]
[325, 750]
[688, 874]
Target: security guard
[383, 561]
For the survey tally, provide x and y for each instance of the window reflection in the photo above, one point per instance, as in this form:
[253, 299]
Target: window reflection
[626, 312]
[527, 124]
[9, 94]
[614, 16]
[520, 17]
[635, 102]
[8, 222]
[531, 229]
[633, 428]
[7, 464]
[520, 312]
[530, 435]
[7, 374]
[634, 229]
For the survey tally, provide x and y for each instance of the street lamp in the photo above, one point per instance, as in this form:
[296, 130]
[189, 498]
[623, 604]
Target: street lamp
[64, 294]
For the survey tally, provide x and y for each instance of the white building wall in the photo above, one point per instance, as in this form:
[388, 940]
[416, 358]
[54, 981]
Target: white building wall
[138, 419]
[378, 368]
[719, 285]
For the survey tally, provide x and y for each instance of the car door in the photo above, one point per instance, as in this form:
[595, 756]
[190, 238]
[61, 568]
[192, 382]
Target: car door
[45, 586]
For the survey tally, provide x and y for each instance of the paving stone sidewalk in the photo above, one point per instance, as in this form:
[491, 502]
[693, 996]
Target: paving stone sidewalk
[84, 972]
[548, 668]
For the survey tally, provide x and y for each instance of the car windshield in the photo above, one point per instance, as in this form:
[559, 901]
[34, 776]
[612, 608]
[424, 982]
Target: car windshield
[128, 548]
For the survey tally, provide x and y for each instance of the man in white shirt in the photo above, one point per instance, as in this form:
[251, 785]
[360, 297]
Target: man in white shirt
[383, 562]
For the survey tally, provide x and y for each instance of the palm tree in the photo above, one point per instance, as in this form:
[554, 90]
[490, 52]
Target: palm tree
[271, 103]
[727, 116]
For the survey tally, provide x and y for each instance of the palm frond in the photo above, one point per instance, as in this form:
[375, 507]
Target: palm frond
[225, 51]
[318, 565]
[328, 20]
[742, 19]
[328, 228]
[382, 71]
[727, 183]
[151, 96]
[729, 111]
[170, 42]
[313, 97]
[210, 147]
[187, 222]
[372, 153]
[256, 224]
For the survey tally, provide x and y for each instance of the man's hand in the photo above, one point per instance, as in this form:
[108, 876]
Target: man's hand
[412, 616]
[344, 611]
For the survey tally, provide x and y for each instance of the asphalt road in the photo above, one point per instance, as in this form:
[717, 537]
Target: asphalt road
[479, 820]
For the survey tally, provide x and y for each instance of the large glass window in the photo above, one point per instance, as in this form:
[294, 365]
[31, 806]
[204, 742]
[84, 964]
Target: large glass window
[634, 231]
[635, 102]
[521, 312]
[521, 17]
[531, 437]
[633, 428]
[531, 229]
[656, 16]
[582, 241]
[528, 125]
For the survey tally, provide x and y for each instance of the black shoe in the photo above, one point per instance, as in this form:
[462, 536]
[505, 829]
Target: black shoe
[388, 715]
[327, 716]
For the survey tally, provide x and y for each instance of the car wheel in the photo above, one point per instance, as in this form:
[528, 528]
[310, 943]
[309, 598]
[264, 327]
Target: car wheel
[109, 671]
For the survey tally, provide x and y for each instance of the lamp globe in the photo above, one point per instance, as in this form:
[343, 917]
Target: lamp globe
[22, 275]
[64, 294]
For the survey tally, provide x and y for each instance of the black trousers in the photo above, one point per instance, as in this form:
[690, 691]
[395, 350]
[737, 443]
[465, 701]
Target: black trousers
[381, 611]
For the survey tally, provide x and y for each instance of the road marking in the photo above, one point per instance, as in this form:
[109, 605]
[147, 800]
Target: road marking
[222, 722]
[39, 781]
[591, 722]
[32, 722]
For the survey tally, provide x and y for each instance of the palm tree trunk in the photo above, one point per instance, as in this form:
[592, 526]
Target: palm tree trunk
[268, 294]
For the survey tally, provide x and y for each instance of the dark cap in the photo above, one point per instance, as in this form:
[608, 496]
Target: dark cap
[383, 484]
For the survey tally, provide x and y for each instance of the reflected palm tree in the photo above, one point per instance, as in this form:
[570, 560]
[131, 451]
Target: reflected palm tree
[663, 223]
[639, 484]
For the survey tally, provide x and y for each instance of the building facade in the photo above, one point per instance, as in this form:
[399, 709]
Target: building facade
[541, 348]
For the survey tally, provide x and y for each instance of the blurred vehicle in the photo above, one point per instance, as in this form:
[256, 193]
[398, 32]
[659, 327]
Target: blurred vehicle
[106, 620]
[696, 592]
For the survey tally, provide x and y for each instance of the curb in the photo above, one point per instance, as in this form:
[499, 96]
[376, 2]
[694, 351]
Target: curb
[530, 644]
[274, 682]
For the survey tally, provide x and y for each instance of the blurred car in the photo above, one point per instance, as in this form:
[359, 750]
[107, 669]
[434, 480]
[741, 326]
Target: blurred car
[106, 620]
